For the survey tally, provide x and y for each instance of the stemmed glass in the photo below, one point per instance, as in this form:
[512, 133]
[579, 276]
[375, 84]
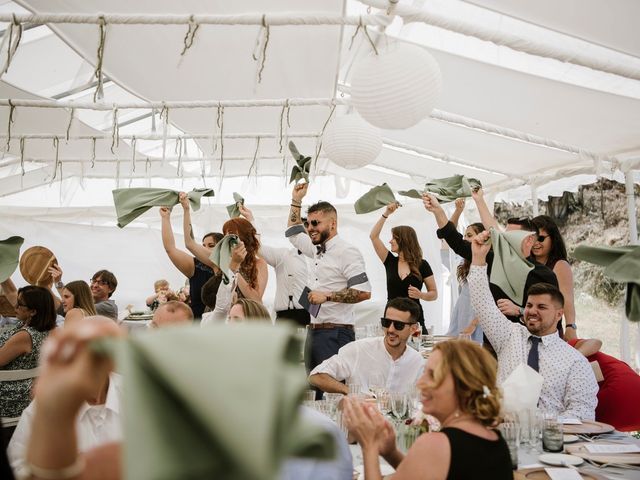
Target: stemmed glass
[399, 406]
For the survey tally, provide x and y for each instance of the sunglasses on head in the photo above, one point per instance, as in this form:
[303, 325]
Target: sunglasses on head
[397, 324]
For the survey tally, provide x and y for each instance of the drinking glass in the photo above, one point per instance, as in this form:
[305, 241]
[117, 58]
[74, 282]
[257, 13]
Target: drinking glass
[511, 434]
[399, 405]
[552, 435]
[464, 336]
[523, 419]
[535, 426]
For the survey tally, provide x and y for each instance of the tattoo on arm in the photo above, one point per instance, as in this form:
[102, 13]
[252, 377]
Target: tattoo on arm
[349, 295]
[294, 217]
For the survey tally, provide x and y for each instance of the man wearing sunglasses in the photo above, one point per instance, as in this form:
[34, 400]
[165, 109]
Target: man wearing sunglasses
[370, 360]
[338, 278]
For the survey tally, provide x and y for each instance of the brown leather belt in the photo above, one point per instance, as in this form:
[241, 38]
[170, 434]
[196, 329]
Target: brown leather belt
[329, 326]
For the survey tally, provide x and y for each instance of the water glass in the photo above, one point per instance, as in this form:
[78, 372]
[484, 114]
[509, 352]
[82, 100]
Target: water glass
[535, 427]
[464, 336]
[399, 405]
[552, 435]
[523, 419]
[511, 434]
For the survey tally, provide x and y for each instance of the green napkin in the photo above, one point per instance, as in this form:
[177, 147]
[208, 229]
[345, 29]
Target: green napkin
[9, 256]
[233, 210]
[376, 198]
[227, 407]
[446, 189]
[623, 265]
[510, 268]
[303, 165]
[132, 202]
[221, 254]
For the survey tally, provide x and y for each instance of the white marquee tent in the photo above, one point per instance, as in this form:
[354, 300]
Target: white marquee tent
[537, 97]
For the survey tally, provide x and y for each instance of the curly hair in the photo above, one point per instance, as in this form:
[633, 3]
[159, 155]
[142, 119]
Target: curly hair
[463, 269]
[409, 247]
[474, 377]
[247, 234]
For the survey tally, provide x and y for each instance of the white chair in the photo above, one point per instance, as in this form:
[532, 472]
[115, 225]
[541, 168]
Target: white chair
[12, 376]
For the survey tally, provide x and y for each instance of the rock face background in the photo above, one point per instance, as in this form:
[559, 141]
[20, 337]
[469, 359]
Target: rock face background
[595, 215]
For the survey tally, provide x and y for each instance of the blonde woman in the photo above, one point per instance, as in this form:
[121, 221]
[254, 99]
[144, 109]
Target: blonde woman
[77, 302]
[244, 308]
[459, 389]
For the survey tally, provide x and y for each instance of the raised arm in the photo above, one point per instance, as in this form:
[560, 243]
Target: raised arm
[378, 246]
[295, 216]
[486, 217]
[200, 252]
[296, 231]
[446, 229]
[455, 216]
[563, 272]
[181, 260]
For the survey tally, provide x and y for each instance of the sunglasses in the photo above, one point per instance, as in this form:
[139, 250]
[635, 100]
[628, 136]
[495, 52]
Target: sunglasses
[540, 238]
[397, 324]
[313, 223]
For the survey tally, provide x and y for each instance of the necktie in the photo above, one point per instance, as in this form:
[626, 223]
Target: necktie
[534, 356]
[321, 249]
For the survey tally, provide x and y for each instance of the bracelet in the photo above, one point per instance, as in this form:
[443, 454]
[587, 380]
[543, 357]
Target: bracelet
[296, 201]
[296, 206]
[384, 216]
[73, 470]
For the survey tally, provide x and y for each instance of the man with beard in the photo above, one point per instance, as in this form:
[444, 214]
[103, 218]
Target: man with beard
[379, 359]
[338, 277]
[569, 388]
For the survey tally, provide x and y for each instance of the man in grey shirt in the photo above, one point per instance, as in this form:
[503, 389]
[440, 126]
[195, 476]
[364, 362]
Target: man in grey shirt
[103, 284]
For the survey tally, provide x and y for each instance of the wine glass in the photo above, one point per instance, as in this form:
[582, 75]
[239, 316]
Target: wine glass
[399, 405]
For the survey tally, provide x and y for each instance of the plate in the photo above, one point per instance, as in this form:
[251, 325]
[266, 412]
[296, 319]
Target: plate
[626, 458]
[588, 427]
[560, 459]
[34, 263]
[571, 438]
[539, 474]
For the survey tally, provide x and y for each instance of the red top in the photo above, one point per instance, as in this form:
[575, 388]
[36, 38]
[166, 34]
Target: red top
[619, 394]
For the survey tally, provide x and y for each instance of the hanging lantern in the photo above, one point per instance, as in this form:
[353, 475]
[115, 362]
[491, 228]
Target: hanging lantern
[350, 142]
[397, 88]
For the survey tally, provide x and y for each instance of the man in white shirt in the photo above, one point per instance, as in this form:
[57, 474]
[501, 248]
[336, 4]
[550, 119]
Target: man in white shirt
[98, 423]
[386, 359]
[338, 278]
[569, 389]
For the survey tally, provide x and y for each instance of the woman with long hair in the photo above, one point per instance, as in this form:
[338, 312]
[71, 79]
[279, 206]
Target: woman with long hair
[77, 302]
[406, 270]
[20, 345]
[243, 309]
[459, 389]
[549, 249]
[463, 319]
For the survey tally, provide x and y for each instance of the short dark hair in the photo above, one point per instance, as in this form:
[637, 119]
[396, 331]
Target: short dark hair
[39, 299]
[404, 304]
[107, 276]
[543, 288]
[217, 236]
[524, 222]
[321, 206]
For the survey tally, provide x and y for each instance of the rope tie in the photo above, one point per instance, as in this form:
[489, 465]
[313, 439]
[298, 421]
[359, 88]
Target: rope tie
[115, 131]
[255, 159]
[97, 73]
[319, 139]
[153, 120]
[178, 147]
[58, 164]
[10, 121]
[71, 115]
[164, 115]
[93, 152]
[147, 164]
[261, 46]
[15, 29]
[190, 35]
[133, 153]
[22, 140]
[220, 124]
[353, 37]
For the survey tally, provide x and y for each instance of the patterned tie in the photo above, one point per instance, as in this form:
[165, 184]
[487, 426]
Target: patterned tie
[534, 356]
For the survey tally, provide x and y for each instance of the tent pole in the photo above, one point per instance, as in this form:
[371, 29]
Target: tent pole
[534, 200]
[633, 237]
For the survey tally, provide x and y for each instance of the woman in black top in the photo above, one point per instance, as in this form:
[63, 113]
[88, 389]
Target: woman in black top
[459, 389]
[408, 271]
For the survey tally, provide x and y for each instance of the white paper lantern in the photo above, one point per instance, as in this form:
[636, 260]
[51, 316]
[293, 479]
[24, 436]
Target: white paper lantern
[397, 88]
[350, 142]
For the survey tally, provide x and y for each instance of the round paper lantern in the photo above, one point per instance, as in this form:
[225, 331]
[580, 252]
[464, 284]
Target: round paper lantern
[350, 142]
[397, 88]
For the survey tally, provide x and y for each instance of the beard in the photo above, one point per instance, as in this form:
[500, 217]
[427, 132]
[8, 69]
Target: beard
[320, 238]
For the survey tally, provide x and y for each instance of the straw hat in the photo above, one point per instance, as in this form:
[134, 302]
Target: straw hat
[34, 264]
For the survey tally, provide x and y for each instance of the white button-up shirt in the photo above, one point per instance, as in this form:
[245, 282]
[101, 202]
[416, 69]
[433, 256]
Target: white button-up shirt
[292, 275]
[95, 425]
[569, 388]
[340, 266]
[361, 361]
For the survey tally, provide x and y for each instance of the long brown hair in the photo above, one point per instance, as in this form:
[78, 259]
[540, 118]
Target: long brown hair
[463, 269]
[82, 297]
[409, 247]
[247, 234]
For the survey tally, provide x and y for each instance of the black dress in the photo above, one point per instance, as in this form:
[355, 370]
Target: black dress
[474, 457]
[201, 273]
[398, 287]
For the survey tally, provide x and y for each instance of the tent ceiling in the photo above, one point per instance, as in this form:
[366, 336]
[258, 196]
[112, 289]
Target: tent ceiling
[144, 63]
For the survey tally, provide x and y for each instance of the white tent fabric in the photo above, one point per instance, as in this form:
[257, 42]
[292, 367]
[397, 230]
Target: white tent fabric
[592, 116]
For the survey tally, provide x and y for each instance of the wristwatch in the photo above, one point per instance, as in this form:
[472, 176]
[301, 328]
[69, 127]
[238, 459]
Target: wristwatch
[572, 325]
[59, 285]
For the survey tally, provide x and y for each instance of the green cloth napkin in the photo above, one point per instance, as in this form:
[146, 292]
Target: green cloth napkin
[623, 265]
[226, 407]
[446, 189]
[376, 198]
[132, 202]
[301, 169]
[233, 210]
[221, 254]
[510, 268]
[9, 256]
